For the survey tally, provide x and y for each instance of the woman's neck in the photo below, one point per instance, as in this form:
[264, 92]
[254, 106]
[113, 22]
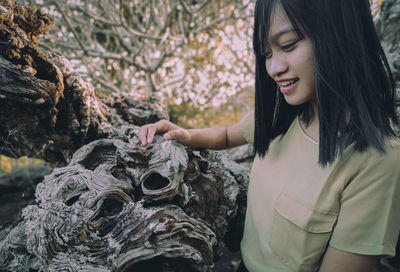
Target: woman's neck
[312, 128]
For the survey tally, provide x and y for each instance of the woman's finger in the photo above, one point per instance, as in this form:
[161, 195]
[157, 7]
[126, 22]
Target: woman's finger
[150, 133]
[147, 132]
[173, 135]
[165, 126]
[169, 135]
[181, 135]
[143, 134]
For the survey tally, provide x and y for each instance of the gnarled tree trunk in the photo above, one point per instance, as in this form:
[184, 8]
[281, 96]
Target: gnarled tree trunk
[46, 109]
[113, 205]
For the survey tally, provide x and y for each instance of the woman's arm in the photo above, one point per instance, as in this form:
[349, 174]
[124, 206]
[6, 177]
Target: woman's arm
[213, 138]
[337, 260]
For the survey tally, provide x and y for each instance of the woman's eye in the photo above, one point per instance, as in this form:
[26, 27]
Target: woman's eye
[268, 54]
[288, 46]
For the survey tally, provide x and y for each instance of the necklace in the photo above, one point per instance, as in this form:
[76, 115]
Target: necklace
[304, 133]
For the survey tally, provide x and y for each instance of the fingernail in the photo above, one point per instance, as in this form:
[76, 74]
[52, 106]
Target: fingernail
[148, 140]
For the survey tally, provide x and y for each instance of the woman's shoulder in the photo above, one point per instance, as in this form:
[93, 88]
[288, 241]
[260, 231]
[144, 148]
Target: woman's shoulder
[386, 160]
[391, 151]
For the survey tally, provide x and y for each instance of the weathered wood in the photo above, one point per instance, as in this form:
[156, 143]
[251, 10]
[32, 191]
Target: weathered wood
[47, 110]
[118, 206]
[30, 124]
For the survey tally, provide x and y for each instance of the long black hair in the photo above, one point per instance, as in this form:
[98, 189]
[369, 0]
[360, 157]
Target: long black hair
[354, 86]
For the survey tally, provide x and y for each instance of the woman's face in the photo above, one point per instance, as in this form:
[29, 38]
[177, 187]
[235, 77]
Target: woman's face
[290, 60]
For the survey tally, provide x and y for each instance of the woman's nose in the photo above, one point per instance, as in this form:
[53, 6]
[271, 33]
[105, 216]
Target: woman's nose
[276, 65]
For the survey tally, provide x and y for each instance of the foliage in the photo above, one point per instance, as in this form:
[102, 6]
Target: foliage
[223, 115]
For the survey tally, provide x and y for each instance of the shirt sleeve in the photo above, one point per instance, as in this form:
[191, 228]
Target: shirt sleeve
[246, 125]
[369, 217]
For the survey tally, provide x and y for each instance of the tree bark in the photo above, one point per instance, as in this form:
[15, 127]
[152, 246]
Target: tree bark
[119, 206]
[47, 110]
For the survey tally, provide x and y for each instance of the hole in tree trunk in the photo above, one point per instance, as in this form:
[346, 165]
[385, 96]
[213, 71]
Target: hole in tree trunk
[155, 181]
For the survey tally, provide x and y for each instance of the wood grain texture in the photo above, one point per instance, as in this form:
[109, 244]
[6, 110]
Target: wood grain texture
[118, 206]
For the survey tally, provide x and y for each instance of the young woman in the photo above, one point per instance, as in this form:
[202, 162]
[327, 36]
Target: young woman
[324, 187]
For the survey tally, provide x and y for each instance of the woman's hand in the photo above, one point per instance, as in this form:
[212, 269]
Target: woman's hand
[172, 131]
[216, 138]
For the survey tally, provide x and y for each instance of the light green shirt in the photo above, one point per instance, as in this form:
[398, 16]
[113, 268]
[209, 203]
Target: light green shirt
[296, 208]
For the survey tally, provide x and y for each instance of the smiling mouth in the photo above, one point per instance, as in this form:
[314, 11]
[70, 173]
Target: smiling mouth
[287, 83]
[287, 86]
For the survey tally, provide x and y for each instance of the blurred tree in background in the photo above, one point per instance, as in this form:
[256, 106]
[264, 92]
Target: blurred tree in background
[191, 55]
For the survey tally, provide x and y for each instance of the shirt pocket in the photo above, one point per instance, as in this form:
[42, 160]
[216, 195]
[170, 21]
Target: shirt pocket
[300, 233]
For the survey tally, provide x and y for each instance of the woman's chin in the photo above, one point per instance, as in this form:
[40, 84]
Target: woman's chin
[293, 101]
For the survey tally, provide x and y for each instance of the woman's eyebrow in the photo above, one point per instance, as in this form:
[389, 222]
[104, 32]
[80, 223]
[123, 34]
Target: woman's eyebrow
[281, 33]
